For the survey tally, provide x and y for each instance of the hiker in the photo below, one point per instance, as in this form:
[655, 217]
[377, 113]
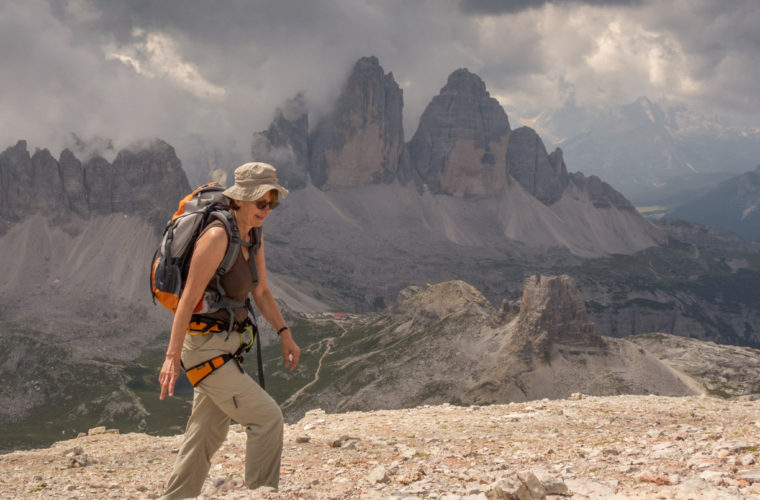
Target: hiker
[228, 392]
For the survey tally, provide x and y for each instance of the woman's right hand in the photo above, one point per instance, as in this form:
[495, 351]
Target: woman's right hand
[169, 375]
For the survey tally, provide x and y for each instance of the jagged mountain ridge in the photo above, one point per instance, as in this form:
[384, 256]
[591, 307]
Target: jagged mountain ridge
[146, 182]
[463, 149]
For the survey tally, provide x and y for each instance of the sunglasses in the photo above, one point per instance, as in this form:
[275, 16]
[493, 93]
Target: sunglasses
[262, 204]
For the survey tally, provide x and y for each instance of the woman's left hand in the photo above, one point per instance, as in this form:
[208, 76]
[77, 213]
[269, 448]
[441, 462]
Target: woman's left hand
[290, 351]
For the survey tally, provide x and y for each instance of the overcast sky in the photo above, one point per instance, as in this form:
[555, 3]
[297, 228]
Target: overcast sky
[129, 70]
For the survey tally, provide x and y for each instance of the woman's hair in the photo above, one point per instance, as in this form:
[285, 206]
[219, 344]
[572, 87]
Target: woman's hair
[234, 205]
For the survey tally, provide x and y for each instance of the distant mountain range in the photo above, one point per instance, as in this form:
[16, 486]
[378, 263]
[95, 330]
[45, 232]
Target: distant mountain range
[654, 153]
[732, 206]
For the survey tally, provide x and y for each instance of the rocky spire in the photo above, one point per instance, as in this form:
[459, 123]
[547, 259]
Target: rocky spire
[528, 163]
[72, 176]
[461, 142]
[15, 182]
[361, 141]
[285, 144]
[601, 194]
[552, 311]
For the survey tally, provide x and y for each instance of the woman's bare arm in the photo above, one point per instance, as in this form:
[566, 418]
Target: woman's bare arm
[208, 254]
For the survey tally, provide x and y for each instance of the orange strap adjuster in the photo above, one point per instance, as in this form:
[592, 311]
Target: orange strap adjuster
[198, 372]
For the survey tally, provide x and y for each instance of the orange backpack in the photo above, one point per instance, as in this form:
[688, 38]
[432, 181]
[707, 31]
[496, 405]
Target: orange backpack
[171, 260]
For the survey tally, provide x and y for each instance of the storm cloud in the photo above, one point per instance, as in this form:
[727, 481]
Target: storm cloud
[218, 70]
[511, 6]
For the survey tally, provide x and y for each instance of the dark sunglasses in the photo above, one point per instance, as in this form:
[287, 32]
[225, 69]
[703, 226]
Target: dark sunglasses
[262, 204]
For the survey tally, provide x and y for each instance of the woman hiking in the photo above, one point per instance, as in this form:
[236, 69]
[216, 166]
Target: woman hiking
[228, 392]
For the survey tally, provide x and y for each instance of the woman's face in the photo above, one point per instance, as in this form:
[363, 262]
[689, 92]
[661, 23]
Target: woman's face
[251, 214]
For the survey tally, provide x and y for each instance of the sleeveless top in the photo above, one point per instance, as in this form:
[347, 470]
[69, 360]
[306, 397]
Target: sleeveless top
[239, 280]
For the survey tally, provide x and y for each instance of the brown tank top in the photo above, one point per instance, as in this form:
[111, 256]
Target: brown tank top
[238, 281]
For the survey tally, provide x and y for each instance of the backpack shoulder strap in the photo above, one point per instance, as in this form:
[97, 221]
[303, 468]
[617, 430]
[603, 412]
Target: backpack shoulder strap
[233, 249]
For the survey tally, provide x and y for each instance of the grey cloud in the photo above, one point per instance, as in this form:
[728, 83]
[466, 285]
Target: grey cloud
[496, 7]
[58, 78]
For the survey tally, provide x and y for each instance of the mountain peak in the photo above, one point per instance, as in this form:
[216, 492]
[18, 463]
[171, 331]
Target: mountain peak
[367, 62]
[460, 145]
[361, 141]
[463, 81]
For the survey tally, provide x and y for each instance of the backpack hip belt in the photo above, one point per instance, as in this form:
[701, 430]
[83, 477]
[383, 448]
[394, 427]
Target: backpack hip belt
[197, 373]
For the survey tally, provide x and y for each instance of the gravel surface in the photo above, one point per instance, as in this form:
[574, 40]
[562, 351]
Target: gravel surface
[581, 447]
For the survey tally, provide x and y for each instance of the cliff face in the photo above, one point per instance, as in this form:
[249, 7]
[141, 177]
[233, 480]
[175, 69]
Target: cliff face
[286, 143]
[543, 176]
[361, 141]
[461, 142]
[148, 183]
[552, 311]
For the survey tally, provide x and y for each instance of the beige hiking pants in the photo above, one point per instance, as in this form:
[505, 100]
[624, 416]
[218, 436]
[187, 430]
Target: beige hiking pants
[226, 393]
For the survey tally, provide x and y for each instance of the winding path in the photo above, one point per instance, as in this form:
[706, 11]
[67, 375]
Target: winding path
[330, 342]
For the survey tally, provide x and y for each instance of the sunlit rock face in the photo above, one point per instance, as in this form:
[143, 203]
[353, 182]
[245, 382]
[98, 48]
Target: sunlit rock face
[361, 141]
[461, 143]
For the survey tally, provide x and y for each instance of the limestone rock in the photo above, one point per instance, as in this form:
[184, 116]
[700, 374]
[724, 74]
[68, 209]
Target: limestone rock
[432, 303]
[98, 175]
[460, 145]
[541, 175]
[378, 475]
[552, 310]
[72, 174]
[361, 141]
[601, 194]
[15, 182]
[147, 182]
[285, 144]
[46, 186]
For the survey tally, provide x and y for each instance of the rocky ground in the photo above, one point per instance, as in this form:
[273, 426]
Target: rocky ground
[582, 447]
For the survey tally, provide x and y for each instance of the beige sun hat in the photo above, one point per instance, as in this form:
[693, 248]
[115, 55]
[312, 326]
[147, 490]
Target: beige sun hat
[253, 180]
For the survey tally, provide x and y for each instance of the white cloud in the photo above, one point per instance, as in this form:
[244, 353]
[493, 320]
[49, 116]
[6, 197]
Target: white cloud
[156, 55]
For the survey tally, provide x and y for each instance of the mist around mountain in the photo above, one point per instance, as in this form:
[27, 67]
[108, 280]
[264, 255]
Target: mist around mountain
[655, 153]
[732, 206]
[464, 177]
